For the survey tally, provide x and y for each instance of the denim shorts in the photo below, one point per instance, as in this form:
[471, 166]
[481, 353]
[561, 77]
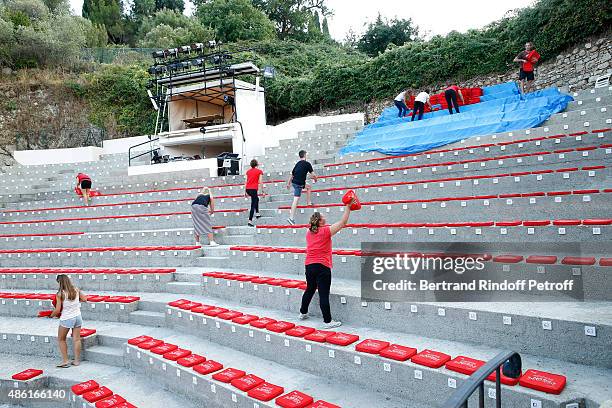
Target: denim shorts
[297, 189]
[72, 323]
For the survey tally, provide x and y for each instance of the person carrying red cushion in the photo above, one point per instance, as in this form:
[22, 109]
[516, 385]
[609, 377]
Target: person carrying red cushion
[527, 58]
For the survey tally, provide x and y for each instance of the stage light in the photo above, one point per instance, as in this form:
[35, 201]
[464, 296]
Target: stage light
[199, 47]
[158, 54]
[212, 44]
[198, 62]
[172, 52]
[229, 100]
[185, 49]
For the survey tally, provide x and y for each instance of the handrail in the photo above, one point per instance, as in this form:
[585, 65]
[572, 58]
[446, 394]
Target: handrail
[460, 398]
[141, 154]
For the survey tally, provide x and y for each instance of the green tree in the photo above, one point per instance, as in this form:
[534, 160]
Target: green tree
[235, 20]
[170, 28]
[109, 14]
[325, 29]
[141, 9]
[291, 17]
[177, 5]
[383, 32]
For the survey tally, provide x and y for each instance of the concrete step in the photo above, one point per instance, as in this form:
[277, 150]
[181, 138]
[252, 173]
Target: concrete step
[147, 318]
[184, 287]
[112, 356]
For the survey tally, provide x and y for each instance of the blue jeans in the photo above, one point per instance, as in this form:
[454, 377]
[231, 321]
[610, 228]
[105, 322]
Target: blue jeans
[403, 109]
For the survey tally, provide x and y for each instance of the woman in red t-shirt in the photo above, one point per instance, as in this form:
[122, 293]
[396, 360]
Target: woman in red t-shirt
[254, 182]
[319, 263]
[84, 183]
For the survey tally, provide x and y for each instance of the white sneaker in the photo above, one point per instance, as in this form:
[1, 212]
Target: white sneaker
[213, 244]
[332, 324]
[303, 316]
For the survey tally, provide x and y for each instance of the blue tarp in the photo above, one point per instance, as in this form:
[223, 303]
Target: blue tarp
[501, 109]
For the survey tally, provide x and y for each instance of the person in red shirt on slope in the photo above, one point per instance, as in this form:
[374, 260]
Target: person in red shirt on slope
[253, 184]
[450, 94]
[319, 263]
[527, 58]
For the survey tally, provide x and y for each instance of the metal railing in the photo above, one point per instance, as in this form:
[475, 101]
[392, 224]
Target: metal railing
[511, 363]
[149, 152]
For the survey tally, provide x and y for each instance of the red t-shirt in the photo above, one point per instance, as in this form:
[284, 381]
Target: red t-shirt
[319, 247]
[83, 176]
[253, 175]
[453, 87]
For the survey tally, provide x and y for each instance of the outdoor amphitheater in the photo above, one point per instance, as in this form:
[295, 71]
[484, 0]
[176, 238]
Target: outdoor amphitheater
[172, 323]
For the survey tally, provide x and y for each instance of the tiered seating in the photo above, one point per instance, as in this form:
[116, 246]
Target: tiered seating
[247, 387]
[102, 397]
[523, 196]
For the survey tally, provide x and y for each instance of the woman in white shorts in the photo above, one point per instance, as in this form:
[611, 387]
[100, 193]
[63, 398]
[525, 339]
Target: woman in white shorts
[68, 308]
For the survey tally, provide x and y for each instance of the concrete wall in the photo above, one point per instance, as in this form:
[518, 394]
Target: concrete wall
[57, 156]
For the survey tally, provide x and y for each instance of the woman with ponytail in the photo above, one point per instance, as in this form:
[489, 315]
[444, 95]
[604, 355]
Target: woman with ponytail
[68, 308]
[319, 263]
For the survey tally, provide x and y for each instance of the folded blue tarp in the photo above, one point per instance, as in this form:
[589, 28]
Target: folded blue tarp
[504, 111]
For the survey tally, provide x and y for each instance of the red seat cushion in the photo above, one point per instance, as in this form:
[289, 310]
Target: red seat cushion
[536, 223]
[543, 381]
[84, 387]
[214, 311]
[319, 335]
[507, 258]
[244, 319]
[294, 399]
[229, 315]
[262, 322]
[594, 221]
[110, 402]
[566, 222]
[97, 394]
[176, 354]
[464, 365]
[299, 331]
[207, 367]
[163, 348]
[605, 262]
[201, 308]
[342, 339]
[398, 352]
[247, 382]
[149, 344]
[265, 391]
[323, 404]
[280, 327]
[542, 259]
[372, 346]
[178, 302]
[191, 360]
[430, 358]
[87, 332]
[578, 260]
[27, 374]
[228, 375]
[504, 379]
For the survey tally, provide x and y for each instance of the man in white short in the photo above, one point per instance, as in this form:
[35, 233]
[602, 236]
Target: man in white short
[400, 104]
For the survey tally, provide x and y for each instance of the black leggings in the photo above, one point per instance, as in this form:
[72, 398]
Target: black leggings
[318, 276]
[418, 107]
[451, 99]
[254, 202]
